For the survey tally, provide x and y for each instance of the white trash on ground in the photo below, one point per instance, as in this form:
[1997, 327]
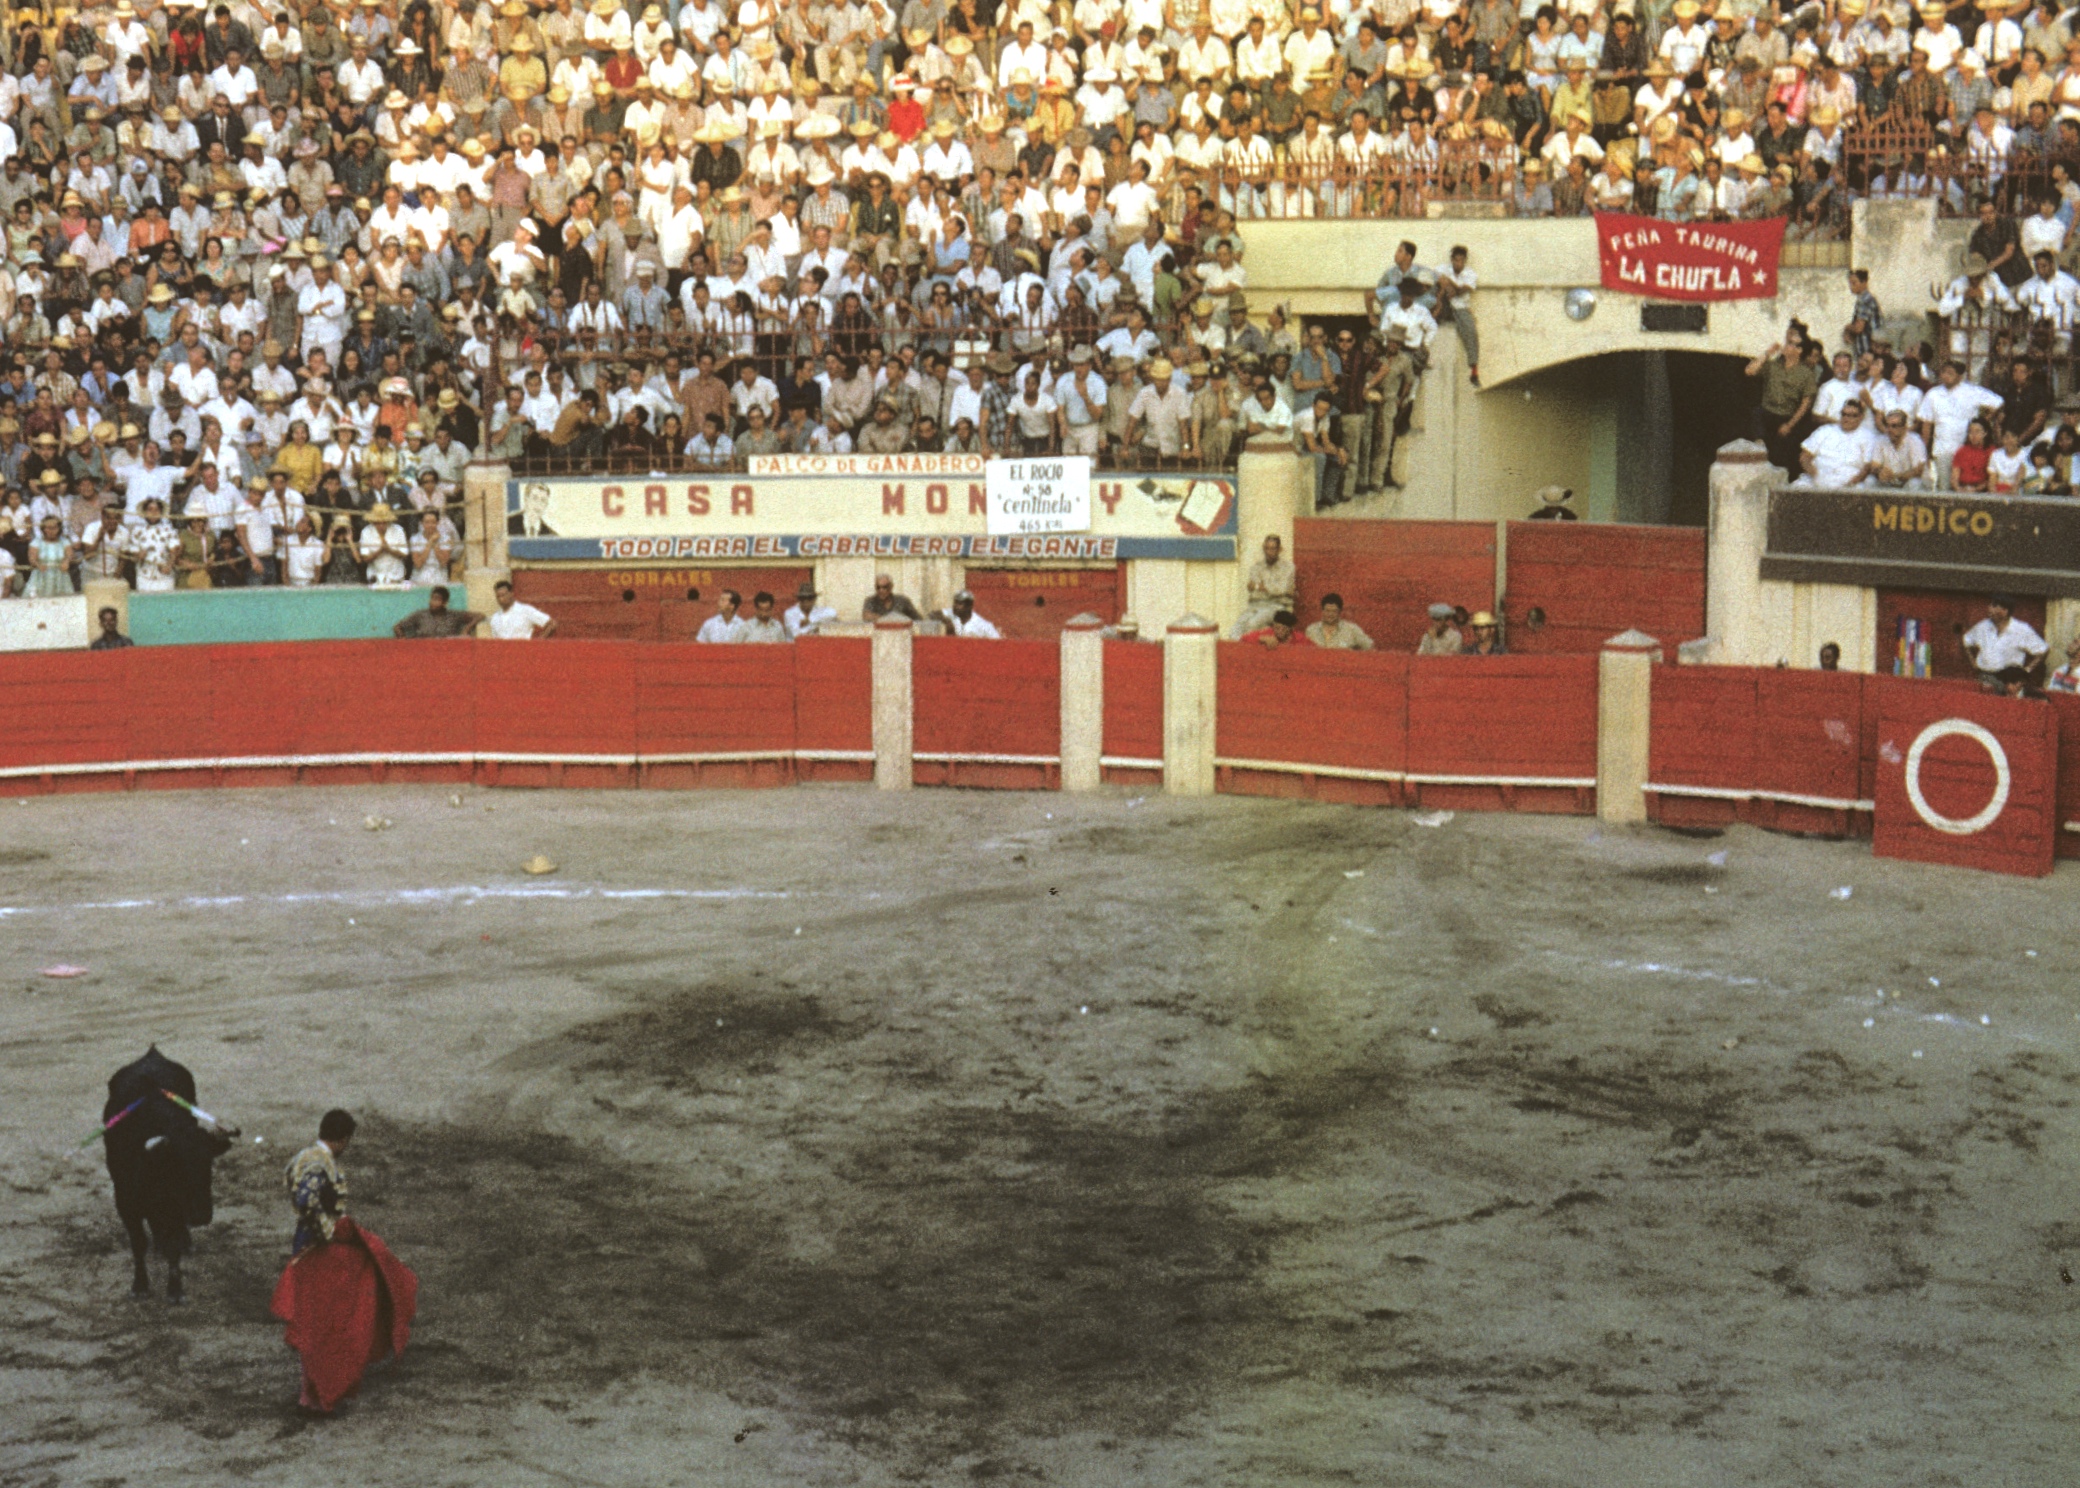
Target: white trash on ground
[1431, 818]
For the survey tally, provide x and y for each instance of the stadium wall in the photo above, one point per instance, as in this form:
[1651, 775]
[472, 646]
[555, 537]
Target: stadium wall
[1825, 753]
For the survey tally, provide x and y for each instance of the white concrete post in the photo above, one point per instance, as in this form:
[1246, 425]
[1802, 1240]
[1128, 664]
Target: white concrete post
[1189, 678]
[1267, 493]
[892, 704]
[1083, 702]
[1624, 718]
[1750, 620]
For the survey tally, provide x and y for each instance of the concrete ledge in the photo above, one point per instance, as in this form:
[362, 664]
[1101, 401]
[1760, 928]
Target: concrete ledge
[45, 624]
[188, 617]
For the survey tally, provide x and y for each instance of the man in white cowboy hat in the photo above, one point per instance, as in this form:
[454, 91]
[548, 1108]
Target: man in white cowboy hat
[322, 306]
[386, 549]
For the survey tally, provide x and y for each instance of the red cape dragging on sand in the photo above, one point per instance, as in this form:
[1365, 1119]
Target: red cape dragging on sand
[348, 1304]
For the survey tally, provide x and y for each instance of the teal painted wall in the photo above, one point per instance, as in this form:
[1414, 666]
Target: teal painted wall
[205, 616]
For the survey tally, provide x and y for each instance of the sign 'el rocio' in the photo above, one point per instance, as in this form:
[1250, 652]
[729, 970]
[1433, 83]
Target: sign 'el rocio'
[875, 506]
[1689, 260]
[1038, 495]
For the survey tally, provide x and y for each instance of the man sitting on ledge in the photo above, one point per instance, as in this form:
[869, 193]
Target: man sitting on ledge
[1836, 456]
[435, 620]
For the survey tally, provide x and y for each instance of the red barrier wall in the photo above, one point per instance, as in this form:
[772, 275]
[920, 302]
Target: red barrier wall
[1508, 722]
[274, 706]
[1001, 698]
[1787, 750]
[833, 707]
[1596, 579]
[1946, 797]
[1296, 707]
[1390, 573]
[1133, 712]
[2067, 708]
[714, 700]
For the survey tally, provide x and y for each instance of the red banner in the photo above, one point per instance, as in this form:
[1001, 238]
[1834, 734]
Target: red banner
[1689, 260]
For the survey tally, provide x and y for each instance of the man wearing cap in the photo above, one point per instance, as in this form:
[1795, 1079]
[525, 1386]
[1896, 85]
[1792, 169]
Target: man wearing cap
[805, 616]
[962, 620]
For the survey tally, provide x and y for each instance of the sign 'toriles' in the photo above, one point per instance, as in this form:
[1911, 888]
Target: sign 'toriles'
[1689, 260]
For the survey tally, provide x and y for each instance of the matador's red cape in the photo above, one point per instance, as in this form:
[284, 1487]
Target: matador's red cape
[349, 1304]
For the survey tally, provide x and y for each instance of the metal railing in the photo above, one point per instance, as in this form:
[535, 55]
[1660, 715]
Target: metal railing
[1911, 160]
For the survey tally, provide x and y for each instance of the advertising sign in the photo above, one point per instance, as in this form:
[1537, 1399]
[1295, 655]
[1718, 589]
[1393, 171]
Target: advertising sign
[882, 509]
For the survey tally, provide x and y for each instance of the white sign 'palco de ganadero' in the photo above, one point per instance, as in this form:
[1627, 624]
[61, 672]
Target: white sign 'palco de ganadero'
[1039, 495]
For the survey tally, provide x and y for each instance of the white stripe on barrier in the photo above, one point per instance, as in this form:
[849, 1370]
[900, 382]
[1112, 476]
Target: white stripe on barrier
[986, 759]
[1350, 772]
[322, 761]
[1560, 782]
[1128, 762]
[1788, 798]
[1287, 767]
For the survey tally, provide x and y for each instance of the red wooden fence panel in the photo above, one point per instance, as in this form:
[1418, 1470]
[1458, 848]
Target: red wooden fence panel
[986, 713]
[1495, 729]
[63, 707]
[1966, 778]
[834, 707]
[1133, 711]
[1592, 580]
[1702, 722]
[714, 700]
[1390, 573]
[570, 698]
[1345, 712]
[376, 697]
[1808, 752]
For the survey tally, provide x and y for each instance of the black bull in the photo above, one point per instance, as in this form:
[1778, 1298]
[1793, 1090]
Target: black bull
[159, 1159]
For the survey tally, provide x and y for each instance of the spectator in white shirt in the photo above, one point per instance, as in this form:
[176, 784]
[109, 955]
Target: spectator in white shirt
[805, 615]
[1838, 455]
[721, 628]
[514, 621]
[2001, 646]
[962, 620]
[303, 556]
[1838, 390]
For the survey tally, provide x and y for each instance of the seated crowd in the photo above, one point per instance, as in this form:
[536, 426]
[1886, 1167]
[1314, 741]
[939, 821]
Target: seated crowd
[2006, 422]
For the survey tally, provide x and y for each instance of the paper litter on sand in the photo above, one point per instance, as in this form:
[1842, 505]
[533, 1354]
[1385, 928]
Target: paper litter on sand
[1431, 818]
[64, 969]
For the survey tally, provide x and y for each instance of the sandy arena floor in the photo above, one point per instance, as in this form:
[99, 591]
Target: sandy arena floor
[822, 1137]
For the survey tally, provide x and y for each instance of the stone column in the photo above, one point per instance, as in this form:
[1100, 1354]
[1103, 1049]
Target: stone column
[485, 559]
[1268, 495]
[1624, 712]
[1189, 670]
[1749, 619]
[1083, 702]
[892, 706]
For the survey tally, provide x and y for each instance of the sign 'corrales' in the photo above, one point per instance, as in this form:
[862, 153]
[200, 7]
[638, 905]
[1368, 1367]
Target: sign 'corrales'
[1700, 261]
